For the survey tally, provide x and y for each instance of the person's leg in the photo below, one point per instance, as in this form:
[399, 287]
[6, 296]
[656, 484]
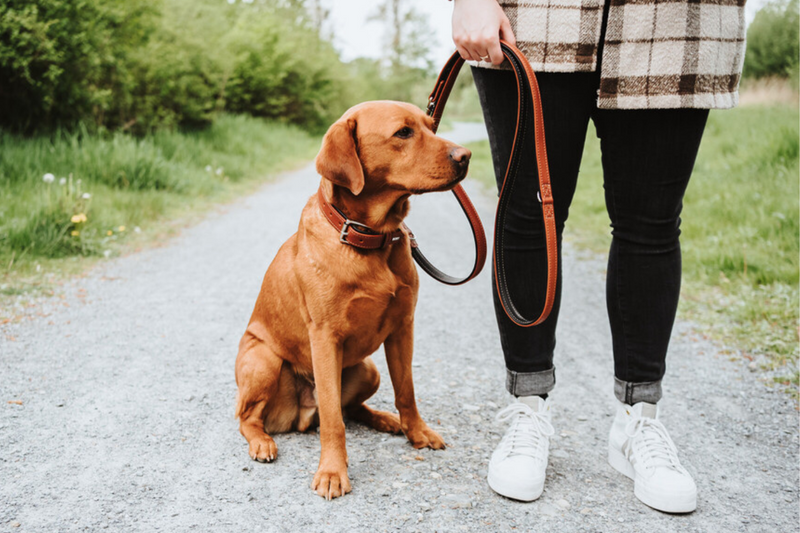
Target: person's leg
[518, 464]
[567, 101]
[648, 156]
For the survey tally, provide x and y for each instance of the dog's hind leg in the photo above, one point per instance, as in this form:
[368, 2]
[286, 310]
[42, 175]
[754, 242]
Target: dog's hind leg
[359, 383]
[257, 373]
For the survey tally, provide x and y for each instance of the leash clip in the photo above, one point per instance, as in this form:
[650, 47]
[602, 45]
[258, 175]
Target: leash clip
[431, 105]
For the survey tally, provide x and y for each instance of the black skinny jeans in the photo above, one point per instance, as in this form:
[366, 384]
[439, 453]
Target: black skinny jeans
[647, 157]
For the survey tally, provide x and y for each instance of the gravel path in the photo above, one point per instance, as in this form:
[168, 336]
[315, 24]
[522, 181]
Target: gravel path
[127, 395]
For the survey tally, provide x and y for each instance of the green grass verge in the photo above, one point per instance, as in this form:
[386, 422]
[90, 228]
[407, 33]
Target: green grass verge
[109, 192]
[740, 231]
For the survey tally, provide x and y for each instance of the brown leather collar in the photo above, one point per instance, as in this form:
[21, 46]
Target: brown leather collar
[352, 232]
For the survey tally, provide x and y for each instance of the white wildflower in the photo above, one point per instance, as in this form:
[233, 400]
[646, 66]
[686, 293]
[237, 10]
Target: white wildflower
[86, 196]
[219, 171]
[137, 229]
[208, 168]
[107, 254]
[48, 178]
[62, 181]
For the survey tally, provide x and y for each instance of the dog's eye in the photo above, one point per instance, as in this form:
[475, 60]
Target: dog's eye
[404, 133]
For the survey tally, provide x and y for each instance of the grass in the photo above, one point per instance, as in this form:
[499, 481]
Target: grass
[109, 192]
[739, 231]
[769, 91]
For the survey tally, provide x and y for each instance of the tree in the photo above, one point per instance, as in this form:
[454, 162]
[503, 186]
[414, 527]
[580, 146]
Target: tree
[772, 41]
[407, 47]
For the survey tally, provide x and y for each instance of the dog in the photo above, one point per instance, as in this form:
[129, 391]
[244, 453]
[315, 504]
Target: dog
[325, 305]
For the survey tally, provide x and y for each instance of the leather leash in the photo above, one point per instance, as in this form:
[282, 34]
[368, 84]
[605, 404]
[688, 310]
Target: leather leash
[361, 236]
[529, 105]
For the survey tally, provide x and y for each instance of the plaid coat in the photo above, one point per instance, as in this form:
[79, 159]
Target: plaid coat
[656, 53]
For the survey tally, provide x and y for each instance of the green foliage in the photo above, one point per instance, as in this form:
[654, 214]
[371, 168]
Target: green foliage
[140, 65]
[130, 182]
[65, 60]
[289, 76]
[53, 228]
[773, 45]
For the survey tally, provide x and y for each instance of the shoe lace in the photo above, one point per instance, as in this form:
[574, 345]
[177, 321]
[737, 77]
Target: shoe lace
[526, 430]
[654, 443]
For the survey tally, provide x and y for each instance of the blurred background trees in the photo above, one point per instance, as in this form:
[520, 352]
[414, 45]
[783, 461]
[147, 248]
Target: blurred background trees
[772, 42]
[143, 65]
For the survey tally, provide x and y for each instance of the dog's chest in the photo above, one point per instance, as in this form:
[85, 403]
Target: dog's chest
[373, 315]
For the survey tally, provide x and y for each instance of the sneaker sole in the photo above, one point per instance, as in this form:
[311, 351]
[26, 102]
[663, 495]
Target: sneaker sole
[513, 492]
[685, 503]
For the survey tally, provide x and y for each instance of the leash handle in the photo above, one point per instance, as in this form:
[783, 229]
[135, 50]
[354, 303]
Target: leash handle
[529, 105]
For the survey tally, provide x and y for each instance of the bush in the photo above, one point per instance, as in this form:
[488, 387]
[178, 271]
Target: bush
[290, 76]
[140, 65]
[772, 41]
[66, 60]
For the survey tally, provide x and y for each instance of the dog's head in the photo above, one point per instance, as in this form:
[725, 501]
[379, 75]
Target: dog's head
[389, 145]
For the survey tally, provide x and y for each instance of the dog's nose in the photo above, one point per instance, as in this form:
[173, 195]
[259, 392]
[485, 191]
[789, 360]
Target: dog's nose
[460, 156]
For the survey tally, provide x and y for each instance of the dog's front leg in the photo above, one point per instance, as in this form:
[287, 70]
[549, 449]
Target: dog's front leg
[331, 480]
[399, 347]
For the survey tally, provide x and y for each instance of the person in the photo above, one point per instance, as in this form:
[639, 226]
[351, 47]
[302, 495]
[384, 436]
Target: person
[646, 73]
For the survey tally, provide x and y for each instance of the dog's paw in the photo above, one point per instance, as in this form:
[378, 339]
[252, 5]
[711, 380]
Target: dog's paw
[424, 437]
[263, 449]
[331, 483]
[386, 422]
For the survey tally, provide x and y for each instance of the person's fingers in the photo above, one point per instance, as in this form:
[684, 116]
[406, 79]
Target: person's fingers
[473, 50]
[478, 52]
[463, 52]
[506, 33]
[495, 53]
[467, 48]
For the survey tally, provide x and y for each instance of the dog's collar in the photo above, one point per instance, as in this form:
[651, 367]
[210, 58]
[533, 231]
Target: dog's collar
[355, 233]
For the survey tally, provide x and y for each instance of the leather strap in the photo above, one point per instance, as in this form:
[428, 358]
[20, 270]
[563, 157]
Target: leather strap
[479, 237]
[529, 106]
[350, 232]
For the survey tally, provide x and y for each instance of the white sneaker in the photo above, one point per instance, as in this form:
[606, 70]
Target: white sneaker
[640, 448]
[517, 467]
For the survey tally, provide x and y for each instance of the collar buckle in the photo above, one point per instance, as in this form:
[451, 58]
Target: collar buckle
[345, 231]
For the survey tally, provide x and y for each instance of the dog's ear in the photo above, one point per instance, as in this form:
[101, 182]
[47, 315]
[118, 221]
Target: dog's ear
[338, 160]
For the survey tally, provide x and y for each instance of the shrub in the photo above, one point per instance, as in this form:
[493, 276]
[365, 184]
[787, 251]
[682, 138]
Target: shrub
[66, 60]
[772, 41]
[143, 65]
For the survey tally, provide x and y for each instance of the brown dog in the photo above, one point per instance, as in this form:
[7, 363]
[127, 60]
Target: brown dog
[325, 306]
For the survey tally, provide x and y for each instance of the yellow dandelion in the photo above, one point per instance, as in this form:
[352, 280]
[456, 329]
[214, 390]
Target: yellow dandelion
[75, 233]
[109, 232]
[77, 219]
[121, 228]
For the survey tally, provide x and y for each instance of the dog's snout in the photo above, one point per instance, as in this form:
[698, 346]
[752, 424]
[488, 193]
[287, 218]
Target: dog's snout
[460, 156]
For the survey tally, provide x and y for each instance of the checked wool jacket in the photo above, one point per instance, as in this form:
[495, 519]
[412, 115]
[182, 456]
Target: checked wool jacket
[655, 53]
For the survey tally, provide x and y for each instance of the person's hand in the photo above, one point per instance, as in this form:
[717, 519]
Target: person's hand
[478, 26]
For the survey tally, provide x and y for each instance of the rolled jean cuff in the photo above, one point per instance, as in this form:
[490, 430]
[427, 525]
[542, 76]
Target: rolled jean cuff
[530, 383]
[631, 393]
